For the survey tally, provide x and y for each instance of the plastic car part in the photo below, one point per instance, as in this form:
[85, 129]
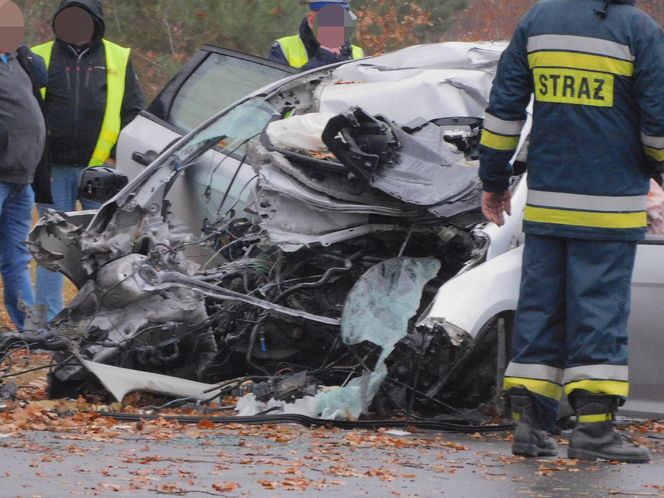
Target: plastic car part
[367, 142]
[122, 381]
[101, 183]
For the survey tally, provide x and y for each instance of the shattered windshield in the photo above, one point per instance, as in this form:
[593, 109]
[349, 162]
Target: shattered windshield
[232, 130]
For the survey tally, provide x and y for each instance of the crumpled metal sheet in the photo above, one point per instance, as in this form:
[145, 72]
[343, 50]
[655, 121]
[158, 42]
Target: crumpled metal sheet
[436, 81]
[418, 58]
[271, 178]
[337, 186]
[426, 177]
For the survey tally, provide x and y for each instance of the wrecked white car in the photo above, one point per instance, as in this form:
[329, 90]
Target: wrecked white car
[297, 240]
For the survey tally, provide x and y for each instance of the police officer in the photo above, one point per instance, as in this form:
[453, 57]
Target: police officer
[596, 69]
[92, 94]
[329, 44]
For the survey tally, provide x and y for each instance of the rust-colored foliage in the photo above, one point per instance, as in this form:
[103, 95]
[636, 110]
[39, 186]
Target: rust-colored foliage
[388, 24]
[496, 19]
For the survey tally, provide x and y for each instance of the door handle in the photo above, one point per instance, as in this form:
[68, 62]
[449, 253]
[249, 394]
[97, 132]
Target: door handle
[144, 158]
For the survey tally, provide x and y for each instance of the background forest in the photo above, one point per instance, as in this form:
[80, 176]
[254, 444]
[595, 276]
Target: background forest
[164, 33]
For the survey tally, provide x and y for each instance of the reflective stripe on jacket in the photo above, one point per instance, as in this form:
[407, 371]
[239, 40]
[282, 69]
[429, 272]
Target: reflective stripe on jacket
[296, 53]
[598, 118]
[117, 60]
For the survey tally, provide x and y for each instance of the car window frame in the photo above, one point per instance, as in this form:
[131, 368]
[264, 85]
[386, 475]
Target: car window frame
[162, 106]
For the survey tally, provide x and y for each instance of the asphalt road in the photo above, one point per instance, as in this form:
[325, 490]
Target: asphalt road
[292, 461]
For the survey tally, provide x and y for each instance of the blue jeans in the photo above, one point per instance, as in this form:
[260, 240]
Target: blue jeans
[16, 202]
[50, 285]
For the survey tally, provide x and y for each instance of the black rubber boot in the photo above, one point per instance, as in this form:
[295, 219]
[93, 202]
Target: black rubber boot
[595, 436]
[529, 438]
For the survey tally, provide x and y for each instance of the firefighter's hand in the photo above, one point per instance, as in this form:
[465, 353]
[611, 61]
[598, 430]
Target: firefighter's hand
[495, 205]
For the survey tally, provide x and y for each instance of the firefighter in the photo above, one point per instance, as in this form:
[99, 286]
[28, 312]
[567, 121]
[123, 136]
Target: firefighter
[92, 94]
[596, 70]
[330, 43]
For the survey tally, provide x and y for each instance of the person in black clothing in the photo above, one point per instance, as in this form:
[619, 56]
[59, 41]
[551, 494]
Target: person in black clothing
[92, 93]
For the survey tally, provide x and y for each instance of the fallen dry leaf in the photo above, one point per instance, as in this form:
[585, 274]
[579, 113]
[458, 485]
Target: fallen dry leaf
[225, 487]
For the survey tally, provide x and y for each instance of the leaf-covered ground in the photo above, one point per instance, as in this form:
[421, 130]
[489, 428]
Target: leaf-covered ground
[62, 447]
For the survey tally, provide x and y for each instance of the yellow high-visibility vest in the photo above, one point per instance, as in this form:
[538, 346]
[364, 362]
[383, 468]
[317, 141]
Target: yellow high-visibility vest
[117, 59]
[296, 53]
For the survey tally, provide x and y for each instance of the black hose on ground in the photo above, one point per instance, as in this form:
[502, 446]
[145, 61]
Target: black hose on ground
[459, 426]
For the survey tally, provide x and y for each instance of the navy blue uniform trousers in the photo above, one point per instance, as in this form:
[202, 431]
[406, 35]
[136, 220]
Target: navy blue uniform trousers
[571, 322]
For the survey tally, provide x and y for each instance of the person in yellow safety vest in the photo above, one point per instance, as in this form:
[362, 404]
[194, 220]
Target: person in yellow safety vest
[92, 93]
[324, 38]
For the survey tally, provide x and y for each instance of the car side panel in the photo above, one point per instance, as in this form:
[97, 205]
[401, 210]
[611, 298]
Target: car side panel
[646, 326]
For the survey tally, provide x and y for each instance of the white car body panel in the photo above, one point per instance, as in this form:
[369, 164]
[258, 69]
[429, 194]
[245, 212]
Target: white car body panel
[139, 136]
[436, 81]
[470, 300]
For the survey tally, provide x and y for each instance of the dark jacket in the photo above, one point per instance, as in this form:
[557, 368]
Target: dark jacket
[34, 66]
[76, 93]
[598, 118]
[22, 130]
[318, 56]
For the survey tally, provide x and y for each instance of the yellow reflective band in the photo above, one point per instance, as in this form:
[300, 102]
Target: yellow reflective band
[294, 50]
[656, 154]
[586, 62]
[593, 419]
[499, 142]
[542, 387]
[296, 53]
[109, 136]
[516, 416]
[357, 52]
[99, 157]
[586, 218]
[117, 59]
[610, 387]
[572, 86]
